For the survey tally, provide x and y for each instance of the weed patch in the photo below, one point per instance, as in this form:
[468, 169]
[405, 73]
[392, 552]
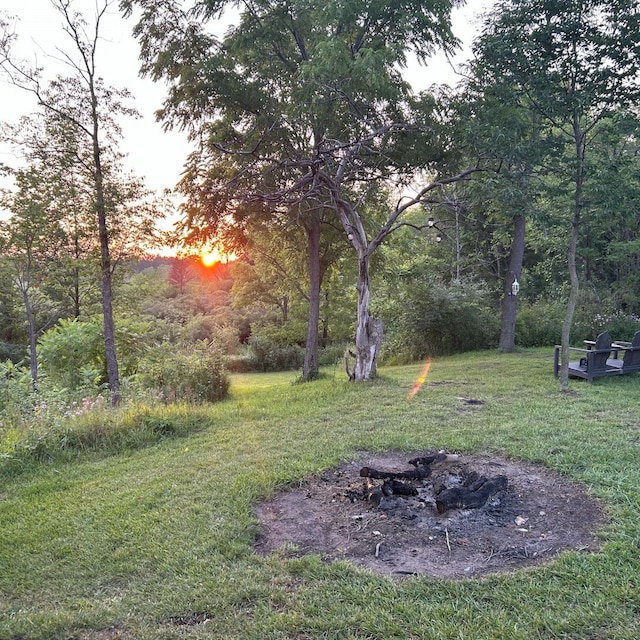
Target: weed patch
[103, 431]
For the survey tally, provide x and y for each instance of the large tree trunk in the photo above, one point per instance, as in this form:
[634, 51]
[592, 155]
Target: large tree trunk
[310, 368]
[368, 330]
[509, 301]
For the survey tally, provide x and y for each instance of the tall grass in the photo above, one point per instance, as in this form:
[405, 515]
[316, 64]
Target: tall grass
[118, 541]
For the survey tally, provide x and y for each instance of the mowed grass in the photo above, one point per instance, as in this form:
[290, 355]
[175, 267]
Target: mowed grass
[155, 541]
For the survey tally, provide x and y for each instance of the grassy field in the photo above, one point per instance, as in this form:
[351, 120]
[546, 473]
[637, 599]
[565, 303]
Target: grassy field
[153, 539]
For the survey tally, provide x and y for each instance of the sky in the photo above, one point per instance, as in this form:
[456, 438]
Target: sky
[152, 153]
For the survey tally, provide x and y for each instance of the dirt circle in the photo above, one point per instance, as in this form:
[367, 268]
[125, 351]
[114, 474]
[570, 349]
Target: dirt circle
[538, 515]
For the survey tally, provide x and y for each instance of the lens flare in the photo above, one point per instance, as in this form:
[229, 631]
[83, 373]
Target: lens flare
[421, 380]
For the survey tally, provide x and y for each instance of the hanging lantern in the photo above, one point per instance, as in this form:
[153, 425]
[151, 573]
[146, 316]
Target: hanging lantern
[515, 287]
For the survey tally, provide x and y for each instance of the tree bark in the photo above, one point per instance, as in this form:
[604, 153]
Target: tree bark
[310, 367]
[509, 301]
[580, 145]
[369, 333]
[111, 358]
[31, 326]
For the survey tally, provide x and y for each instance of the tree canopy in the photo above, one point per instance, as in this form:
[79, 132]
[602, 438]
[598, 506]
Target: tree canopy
[300, 107]
[574, 64]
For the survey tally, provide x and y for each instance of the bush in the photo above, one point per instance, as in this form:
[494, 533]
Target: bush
[72, 353]
[539, 324]
[271, 349]
[332, 354]
[17, 399]
[13, 352]
[440, 319]
[194, 375]
[620, 325]
[240, 363]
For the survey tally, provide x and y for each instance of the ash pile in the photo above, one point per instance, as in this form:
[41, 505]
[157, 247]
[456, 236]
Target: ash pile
[441, 481]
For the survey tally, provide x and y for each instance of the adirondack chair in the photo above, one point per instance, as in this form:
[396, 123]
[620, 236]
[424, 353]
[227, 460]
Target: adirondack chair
[630, 361]
[593, 362]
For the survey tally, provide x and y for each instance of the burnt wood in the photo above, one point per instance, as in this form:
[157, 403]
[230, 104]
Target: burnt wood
[419, 473]
[390, 487]
[424, 461]
[472, 496]
[398, 488]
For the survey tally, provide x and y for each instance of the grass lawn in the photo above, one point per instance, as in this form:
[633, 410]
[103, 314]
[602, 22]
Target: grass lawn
[155, 541]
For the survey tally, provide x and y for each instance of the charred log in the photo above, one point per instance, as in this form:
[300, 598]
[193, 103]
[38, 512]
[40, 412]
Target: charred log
[419, 473]
[472, 496]
[424, 461]
[390, 487]
[398, 488]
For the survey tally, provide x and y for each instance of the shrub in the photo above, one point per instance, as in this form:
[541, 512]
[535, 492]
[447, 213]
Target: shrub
[194, 375]
[240, 363]
[72, 353]
[17, 399]
[271, 349]
[440, 319]
[13, 352]
[332, 354]
[620, 325]
[539, 324]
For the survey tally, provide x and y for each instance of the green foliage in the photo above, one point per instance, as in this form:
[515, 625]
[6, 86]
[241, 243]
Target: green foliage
[72, 352]
[91, 427]
[332, 354]
[275, 348]
[182, 374]
[16, 398]
[440, 319]
[13, 352]
[592, 319]
[539, 324]
[620, 325]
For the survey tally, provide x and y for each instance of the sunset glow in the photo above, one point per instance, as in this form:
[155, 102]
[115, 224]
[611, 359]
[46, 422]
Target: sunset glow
[210, 257]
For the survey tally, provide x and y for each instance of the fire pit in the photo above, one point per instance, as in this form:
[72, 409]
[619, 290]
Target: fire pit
[432, 513]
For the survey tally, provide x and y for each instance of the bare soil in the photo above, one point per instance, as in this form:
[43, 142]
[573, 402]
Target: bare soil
[539, 515]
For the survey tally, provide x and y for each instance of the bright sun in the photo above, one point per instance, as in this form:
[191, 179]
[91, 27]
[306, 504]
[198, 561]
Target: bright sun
[209, 257]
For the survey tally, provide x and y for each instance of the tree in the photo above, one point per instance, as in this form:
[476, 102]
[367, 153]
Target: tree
[573, 62]
[29, 245]
[302, 108]
[610, 241]
[87, 111]
[181, 272]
